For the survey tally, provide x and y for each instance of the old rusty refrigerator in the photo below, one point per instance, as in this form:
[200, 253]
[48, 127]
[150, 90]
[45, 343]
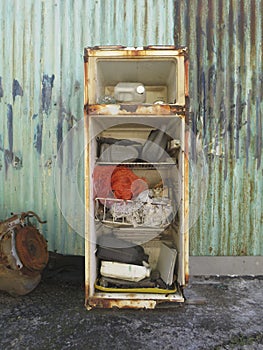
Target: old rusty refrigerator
[135, 110]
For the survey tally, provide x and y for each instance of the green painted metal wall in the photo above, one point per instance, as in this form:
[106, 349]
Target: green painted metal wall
[226, 71]
[41, 108]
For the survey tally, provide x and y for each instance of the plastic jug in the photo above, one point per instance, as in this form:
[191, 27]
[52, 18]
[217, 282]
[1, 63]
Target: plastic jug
[127, 272]
[130, 92]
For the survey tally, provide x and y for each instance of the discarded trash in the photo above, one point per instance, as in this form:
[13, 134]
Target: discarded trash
[145, 210]
[127, 272]
[166, 263]
[119, 182]
[110, 248]
[127, 267]
[106, 99]
[23, 254]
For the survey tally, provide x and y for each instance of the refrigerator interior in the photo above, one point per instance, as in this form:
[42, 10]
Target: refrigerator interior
[162, 78]
[157, 221]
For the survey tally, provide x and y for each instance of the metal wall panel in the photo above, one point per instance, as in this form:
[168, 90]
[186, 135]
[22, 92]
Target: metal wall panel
[41, 100]
[225, 45]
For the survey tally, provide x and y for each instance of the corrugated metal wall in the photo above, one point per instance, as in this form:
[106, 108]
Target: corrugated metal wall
[226, 87]
[41, 100]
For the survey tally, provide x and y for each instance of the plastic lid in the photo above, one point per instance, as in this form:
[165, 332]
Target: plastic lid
[140, 89]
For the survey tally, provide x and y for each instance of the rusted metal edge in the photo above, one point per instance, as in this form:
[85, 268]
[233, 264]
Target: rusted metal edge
[117, 51]
[120, 304]
[122, 109]
[94, 302]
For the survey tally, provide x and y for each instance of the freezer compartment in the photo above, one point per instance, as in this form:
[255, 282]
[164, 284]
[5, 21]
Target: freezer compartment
[136, 80]
[158, 77]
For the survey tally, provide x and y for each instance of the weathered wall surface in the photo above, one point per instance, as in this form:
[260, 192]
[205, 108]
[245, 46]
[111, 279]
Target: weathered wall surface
[226, 76]
[41, 100]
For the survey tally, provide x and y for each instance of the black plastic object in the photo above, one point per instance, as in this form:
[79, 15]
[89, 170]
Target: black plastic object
[116, 283]
[154, 148]
[111, 248]
[112, 150]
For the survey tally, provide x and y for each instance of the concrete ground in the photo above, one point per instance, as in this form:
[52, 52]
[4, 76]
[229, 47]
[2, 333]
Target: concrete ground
[220, 313]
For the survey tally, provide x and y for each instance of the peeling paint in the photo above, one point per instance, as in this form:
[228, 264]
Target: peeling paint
[204, 116]
[10, 127]
[66, 116]
[77, 86]
[1, 89]
[212, 74]
[1, 149]
[59, 131]
[8, 157]
[38, 137]
[17, 162]
[17, 89]
[258, 149]
[248, 136]
[238, 118]
[47, 85]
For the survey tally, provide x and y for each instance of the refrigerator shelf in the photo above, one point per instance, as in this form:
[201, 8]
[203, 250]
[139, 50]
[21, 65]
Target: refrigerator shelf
[133, 213]
[141, 165]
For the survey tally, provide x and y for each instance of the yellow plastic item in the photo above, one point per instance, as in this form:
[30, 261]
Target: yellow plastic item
[136, 290]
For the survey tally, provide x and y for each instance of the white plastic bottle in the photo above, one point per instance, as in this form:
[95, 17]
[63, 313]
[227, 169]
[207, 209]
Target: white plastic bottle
[127, 272]
[130, 92]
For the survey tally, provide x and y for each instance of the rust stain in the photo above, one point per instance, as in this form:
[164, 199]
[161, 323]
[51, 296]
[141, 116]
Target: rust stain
[123, 109]
[186, 209]
[87, 291]
[23, 254]
[186, 69]
[113, 51]
[3, 257]
[135, 53]
[120, 303]
[86, 95]
[186, 278]
[32, 248]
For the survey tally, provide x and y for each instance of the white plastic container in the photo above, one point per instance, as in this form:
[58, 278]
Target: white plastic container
[127, 272]
[130, 92]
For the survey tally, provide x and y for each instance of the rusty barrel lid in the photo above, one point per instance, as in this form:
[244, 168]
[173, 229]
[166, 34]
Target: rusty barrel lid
[31, 248]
